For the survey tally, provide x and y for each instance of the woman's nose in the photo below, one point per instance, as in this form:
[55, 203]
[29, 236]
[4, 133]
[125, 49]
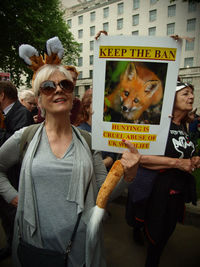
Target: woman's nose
[58, 88]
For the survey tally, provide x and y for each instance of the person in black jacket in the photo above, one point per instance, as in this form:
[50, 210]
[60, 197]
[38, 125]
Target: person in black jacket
[16, 117]
[163, 184]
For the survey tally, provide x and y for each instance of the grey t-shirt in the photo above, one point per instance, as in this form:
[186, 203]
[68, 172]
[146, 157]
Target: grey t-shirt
[57, 216]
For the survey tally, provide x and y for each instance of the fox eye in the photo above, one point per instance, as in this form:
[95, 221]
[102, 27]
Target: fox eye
[136, 100]
[126, 93]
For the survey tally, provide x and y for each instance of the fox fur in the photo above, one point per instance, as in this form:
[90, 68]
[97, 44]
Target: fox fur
[137, 90]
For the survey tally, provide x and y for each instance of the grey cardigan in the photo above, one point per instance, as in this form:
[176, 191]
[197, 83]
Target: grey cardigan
[27, 222]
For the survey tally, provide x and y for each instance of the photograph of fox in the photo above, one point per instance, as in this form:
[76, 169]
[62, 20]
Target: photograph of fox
[134, 91]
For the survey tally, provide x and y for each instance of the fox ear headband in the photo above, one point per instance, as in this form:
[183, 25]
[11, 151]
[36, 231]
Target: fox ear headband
[32, 58]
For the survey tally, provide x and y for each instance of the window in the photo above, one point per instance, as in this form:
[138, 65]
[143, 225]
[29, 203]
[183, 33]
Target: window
[120, 8]
[187, 80]
[106, 26]
[81, 47]
[119, 24]
[91, 74]
[191, 23]
[92, 31]
[135, 33]
[106, 12]
[152, 15]
[188, 62]
[192, 6]
[76, 91]
[172, 11]
[92, 16]
[152, 31]
[189, 45]
[91, 45]
[69, 22]
[80, 33]
[80, 20]
[135, 19]
[170, 28]
[91, 60]
[80, 61]
[152, 2]
[136, 4]
[80, 75]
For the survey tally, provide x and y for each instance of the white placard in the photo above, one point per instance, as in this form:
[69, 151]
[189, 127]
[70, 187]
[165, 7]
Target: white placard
[134, 85]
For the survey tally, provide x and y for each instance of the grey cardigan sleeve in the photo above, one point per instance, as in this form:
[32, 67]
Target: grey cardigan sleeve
[9, 156]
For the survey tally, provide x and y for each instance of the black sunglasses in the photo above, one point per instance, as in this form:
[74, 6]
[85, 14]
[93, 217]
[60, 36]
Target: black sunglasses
[49, 87]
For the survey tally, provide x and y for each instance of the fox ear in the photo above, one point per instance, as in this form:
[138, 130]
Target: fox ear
[151, 87]
[130, 72]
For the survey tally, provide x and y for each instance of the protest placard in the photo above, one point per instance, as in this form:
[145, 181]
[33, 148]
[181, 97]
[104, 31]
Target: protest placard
[134, 85]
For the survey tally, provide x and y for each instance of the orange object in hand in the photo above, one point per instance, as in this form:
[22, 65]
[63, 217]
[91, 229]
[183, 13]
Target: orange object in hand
[109, 184]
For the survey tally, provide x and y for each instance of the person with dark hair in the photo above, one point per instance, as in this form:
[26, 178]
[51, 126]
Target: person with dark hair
[76, 101]
[76, 107]
[16, 117]
[163, 184]
[84, 122]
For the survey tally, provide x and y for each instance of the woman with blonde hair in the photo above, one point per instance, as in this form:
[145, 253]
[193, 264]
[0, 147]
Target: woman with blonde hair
[59, 182]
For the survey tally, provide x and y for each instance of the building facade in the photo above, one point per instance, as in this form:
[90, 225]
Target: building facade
[136, 17]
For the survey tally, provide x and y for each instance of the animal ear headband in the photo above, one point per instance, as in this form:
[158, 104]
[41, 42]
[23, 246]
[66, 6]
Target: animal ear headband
[32, 58]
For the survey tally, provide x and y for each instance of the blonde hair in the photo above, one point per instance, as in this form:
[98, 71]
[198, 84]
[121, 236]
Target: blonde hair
[45, 72]
[25, 94]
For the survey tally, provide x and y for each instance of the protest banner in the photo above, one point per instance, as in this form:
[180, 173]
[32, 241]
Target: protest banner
[134, 85]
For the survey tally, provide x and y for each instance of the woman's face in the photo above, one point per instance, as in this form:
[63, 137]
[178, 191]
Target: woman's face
[184, 99]
[58, 101]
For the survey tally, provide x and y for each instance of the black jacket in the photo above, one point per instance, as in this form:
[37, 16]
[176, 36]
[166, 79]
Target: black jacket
[17, 118]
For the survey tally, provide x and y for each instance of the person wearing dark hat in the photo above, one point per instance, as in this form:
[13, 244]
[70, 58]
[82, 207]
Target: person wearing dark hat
[164, 183]
[16, 117]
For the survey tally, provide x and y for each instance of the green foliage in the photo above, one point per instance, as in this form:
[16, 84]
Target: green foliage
[31, 22]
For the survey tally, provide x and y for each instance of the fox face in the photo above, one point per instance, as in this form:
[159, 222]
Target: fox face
[138, 89]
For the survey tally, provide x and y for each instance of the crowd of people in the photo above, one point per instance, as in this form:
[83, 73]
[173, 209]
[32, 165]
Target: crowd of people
[47, 193]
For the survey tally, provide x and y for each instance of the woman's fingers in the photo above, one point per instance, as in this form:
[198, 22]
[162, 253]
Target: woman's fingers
[130, 146]
[130, 161]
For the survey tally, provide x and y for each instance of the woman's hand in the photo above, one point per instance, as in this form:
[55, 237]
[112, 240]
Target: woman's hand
[185, 165]
[177, 38]
[14, 202]
[35, 118]
[195, 162]
[99, 33]
[130, 161]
